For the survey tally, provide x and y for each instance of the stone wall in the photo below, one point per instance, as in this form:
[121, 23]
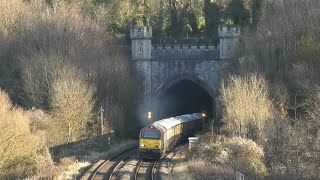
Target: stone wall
[159, 67]
[165, 72]
[172, 53]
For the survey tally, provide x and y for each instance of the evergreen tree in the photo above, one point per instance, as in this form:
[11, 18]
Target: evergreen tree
[238, 13]
[212, 17]
[256, 11]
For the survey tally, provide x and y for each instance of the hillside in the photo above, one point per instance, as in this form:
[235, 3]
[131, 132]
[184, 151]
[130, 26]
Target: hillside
[61, 61]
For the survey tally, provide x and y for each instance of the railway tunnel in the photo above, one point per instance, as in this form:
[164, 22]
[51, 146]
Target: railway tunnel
[184, 97]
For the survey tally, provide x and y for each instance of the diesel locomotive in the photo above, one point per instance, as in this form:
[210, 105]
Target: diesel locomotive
[160, 136]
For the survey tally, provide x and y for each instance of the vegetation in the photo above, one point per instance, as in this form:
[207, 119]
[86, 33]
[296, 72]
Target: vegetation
[60, 61]
[60, 66]
[246, 105]
[270, 102]
[22, 151]
[174, 18]
[218, 157]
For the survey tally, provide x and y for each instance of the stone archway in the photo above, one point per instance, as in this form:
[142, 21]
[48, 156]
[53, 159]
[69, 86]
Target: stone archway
[183, 94]
[163, 87]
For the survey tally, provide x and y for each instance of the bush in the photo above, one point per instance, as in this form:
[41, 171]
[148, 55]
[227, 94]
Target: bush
[202, 170]
[66, 162]
[246, 157]
[20, 149]
[227, 154]
[210, 153]
[292, 146]
[246, 105]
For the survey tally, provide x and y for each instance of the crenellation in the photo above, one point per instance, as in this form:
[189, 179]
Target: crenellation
[194, 47]
[159, 64]
[228, 39]
[138, 32]
[183, 47]
[228, 31]
[168, 47]
[141, 46]
[211, 47]
[185, 54]
[176, 47]
[184, 51]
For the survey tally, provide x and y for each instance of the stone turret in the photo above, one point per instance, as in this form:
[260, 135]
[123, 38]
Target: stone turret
[141, 54]
[141, 42]
[229, 37]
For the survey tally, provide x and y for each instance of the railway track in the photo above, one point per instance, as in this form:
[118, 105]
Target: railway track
[145, 170]
[106, 169]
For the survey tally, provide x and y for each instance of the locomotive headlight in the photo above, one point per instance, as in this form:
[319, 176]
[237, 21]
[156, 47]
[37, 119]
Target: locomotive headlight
[142, 145]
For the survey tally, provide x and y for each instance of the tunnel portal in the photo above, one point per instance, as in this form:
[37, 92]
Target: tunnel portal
[184, 97]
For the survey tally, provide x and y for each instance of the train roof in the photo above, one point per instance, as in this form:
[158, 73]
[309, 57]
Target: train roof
[167, 123]
[173, 121]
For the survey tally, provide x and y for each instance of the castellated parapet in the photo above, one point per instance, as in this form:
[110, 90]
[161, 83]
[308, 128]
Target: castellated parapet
[141, 43]
[159, 67]
[229, 31]
[185, 52]
[142, 49]
[141, 32]
[229, 37]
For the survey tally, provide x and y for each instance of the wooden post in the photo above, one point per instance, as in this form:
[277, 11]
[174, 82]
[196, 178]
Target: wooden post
[101, 119]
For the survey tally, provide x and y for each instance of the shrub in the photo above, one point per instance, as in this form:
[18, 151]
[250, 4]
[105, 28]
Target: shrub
[66, 162]
[202, 170]
[292, 147]
[209, 153]
[246, 156]
[20, 148]
[224, 154]
[17, 16]
[246, 106]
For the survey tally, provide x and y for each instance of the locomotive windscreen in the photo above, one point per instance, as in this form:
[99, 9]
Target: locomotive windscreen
[151, 134]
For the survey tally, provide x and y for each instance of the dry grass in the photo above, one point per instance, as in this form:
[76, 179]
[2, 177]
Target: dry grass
[202, 170]
[180, 169]
[66, 162]
[73, 161]
[220, 156]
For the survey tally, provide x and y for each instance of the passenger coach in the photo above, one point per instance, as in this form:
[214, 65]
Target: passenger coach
[162, 135]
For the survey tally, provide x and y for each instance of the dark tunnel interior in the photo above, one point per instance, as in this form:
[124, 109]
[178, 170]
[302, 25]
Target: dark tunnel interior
[184, 97]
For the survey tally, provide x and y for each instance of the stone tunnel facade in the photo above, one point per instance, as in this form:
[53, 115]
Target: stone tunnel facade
[158, 67]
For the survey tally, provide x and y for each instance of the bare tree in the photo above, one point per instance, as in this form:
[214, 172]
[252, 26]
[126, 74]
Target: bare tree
[246, 105]
[72, 103]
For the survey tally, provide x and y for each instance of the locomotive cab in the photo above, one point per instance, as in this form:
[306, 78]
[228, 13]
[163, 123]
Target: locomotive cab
[150, 142]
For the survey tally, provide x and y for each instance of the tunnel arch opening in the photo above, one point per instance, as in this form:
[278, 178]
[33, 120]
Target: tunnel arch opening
[184, 95]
